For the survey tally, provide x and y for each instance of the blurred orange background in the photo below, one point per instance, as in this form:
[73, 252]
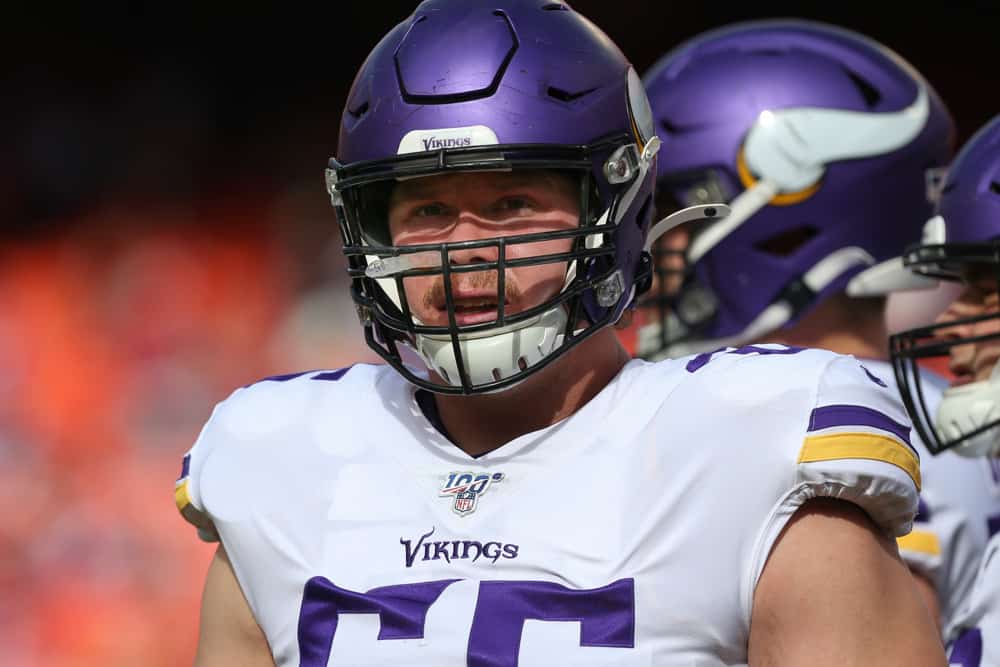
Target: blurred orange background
[117, 337]
[166, 238]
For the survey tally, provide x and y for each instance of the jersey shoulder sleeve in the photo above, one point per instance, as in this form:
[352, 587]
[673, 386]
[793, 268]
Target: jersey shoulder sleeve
[843, 428]
[187, 488]
[243, 432]
[857, 447]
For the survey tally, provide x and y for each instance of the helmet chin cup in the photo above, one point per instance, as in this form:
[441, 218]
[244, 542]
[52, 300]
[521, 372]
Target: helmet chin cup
[494, 354]
[968, 408]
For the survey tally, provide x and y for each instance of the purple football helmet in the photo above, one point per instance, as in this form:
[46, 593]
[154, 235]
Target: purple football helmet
[465, 85]
[961, 243]
[821, 140]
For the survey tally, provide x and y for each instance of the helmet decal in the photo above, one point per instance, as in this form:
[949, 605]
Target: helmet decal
[639, 109]
[416, 141]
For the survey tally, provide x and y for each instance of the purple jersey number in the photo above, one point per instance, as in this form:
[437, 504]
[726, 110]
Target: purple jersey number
[402, 611]
[700, 361]
[606, 615]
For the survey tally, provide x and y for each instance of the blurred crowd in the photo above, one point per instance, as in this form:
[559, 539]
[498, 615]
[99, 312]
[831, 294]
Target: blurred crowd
[118, 334]
[164, 240]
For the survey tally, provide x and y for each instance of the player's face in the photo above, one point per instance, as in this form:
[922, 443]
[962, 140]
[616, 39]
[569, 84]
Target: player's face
[973, 362]
[475, 206]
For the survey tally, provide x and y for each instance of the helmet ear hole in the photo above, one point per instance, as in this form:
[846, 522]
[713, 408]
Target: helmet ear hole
[788, 242]
[566, 95]
[868, 91]
[995, 187]
[360, 110]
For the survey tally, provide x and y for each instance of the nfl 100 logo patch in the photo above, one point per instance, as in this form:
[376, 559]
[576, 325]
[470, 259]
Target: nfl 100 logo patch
[466, 487]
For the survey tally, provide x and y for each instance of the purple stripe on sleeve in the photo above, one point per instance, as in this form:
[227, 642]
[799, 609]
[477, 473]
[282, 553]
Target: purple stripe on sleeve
[923, 511]
[185, 467]
[857, 415]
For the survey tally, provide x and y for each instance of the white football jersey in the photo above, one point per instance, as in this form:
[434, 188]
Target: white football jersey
[959, 504]
[631, 533]
[975, 633]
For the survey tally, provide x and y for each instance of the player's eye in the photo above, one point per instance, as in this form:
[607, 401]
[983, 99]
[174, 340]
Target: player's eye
[433, 210]
[515, 205]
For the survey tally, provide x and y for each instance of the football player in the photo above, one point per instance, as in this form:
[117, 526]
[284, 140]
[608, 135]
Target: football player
[963, 243]
[509, 488]
[826, 145]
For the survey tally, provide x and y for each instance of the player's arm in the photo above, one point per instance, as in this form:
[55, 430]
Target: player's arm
[229, 635]
[835, 593]
[928, 593]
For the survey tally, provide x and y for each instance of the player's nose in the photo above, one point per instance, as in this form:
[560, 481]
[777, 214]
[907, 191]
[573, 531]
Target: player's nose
[482, 244]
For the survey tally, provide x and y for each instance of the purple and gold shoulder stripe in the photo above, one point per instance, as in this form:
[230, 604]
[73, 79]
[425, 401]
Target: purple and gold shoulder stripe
[838, 432]
[193, 515]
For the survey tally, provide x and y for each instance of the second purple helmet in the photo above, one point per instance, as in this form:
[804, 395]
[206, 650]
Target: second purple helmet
[822, 141]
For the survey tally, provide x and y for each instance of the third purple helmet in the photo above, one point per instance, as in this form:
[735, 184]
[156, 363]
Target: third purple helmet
[822, 141]
[962, 242]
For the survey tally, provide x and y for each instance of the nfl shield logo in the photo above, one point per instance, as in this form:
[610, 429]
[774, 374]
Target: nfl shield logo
[463, 488]
[465, 502]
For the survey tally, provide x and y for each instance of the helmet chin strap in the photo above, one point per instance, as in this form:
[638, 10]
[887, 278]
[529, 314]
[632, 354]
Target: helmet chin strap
[967, 408]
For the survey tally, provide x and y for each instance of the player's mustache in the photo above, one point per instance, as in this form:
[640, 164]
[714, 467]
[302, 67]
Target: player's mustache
[435, 297]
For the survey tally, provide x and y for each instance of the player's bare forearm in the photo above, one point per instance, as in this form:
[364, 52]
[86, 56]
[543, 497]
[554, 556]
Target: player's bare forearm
[229, 635]
[835, 593]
